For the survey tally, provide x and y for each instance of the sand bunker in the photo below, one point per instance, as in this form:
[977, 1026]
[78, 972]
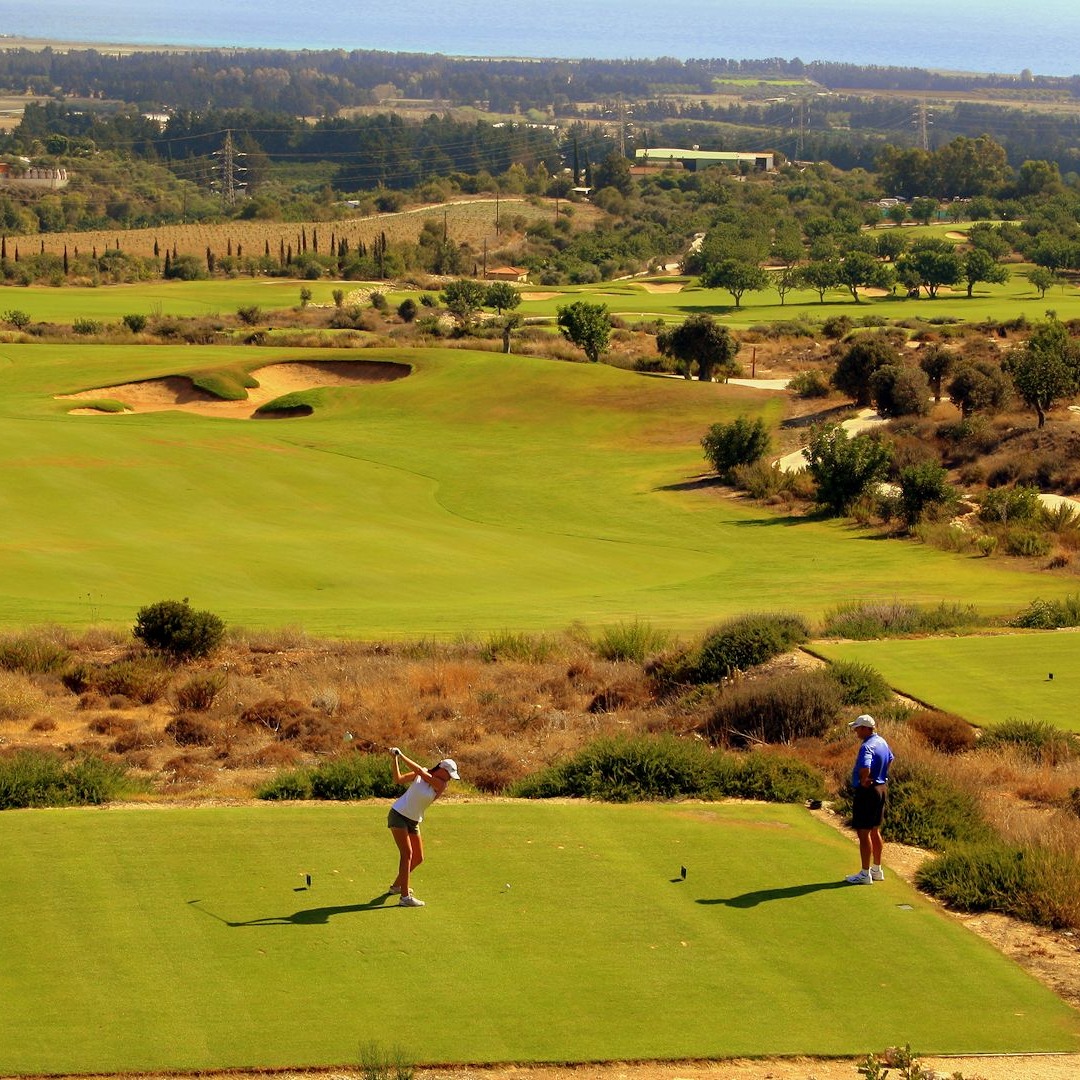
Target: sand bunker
[178, 392]
[660, 287]
[539, 295]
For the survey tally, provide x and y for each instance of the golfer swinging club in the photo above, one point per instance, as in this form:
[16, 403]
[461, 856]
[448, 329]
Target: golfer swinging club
[424, 787]
[870, 779]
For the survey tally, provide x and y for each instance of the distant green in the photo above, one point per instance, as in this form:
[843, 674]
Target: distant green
[987, 678]
[139, 941]
[479, 493]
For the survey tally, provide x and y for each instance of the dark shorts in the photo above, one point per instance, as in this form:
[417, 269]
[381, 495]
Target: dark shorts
[394, 820]
[868, 808]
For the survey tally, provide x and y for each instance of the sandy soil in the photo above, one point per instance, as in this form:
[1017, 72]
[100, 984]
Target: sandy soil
[539, 295]
[657, 287]
[177, 392]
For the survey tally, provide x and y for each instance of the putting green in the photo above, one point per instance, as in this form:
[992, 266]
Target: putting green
[185, 939]
[480, 492]
[985, 678]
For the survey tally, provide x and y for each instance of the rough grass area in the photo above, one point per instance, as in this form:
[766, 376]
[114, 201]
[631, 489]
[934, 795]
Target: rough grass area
[541, 908]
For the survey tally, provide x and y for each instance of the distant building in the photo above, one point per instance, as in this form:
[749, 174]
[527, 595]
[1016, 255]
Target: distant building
[35, 176]
[669, 157]
[507, 273]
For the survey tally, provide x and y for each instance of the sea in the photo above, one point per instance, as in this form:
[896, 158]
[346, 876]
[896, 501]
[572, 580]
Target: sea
[987, 36]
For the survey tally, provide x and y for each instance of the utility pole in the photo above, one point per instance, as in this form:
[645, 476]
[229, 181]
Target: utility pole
[922, 121]
[230, 182]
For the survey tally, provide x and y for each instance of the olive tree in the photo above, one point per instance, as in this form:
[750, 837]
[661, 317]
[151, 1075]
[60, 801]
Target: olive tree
[587, 325]
[703, 340]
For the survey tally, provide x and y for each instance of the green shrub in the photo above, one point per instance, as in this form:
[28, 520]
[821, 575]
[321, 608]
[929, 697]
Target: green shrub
[32, 654]
[144, 679]
[810, 384]
[744, 642]
[1050, 614]
[768, 777]
[1035, 739]
[641, 768]
[860, 684]
[1027, 543]
[629, 641]
[1008, 505]
[87, 327]
[741, 442]
[171, 626]
[513, 645]
[30, 778]
[994, 876]
[294, 784]
[250, 314]
[775, 711]
[135, 323]
[927, 809]
[864, 621]
[354, 776]
[17, 318]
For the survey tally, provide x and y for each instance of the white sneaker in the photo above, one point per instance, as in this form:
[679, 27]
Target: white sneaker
[876, 873]
[861, 878]
[410, 901]
[394, 890]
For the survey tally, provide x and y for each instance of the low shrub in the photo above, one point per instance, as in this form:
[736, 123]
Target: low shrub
[172, 627]
[295, 784]
[1050, 614]
[629, 641]
[1037, 740]
[779, 710]
[20, 696]
[351, 776]
[860, 684]
[664, 767]
[200, 692]
[274, 714]
[745, 642]
[144, 679]
[188, 730]
[946, 733]
[354, 776]
[863, 621]
[32, 654]
[810, 384]
[30, 778]
[1027, 543]
[927, 809]
[513, 645]
[1032, 884]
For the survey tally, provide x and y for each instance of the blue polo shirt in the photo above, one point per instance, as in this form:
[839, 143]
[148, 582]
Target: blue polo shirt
[874, 754]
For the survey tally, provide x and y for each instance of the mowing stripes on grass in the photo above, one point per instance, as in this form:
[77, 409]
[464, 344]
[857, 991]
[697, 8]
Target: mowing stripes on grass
[138, 940]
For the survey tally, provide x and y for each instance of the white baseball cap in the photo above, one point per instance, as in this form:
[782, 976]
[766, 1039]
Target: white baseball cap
[450, 765]
[866, 720]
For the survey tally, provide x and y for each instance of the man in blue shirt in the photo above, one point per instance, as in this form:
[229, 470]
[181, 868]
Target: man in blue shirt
[870, 779]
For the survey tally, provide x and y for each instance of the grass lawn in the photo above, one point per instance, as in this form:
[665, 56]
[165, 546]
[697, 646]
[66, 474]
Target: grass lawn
[985, 679]
[479, 493]
[185, 939]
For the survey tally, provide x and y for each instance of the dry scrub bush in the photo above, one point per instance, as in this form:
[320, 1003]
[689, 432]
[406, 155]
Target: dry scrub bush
[943, 731]
[20, 697]
[192, 730]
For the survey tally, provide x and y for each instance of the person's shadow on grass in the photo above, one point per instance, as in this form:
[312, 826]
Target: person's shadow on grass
[763, 896]
[318, 916]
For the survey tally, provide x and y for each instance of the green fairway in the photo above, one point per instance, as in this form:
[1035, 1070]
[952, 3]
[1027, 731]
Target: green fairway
[144, 940]
[985, 679]
[478, 493]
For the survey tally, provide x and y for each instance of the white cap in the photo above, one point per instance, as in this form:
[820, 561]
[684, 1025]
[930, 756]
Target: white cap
[866, 720]
[450, 765]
